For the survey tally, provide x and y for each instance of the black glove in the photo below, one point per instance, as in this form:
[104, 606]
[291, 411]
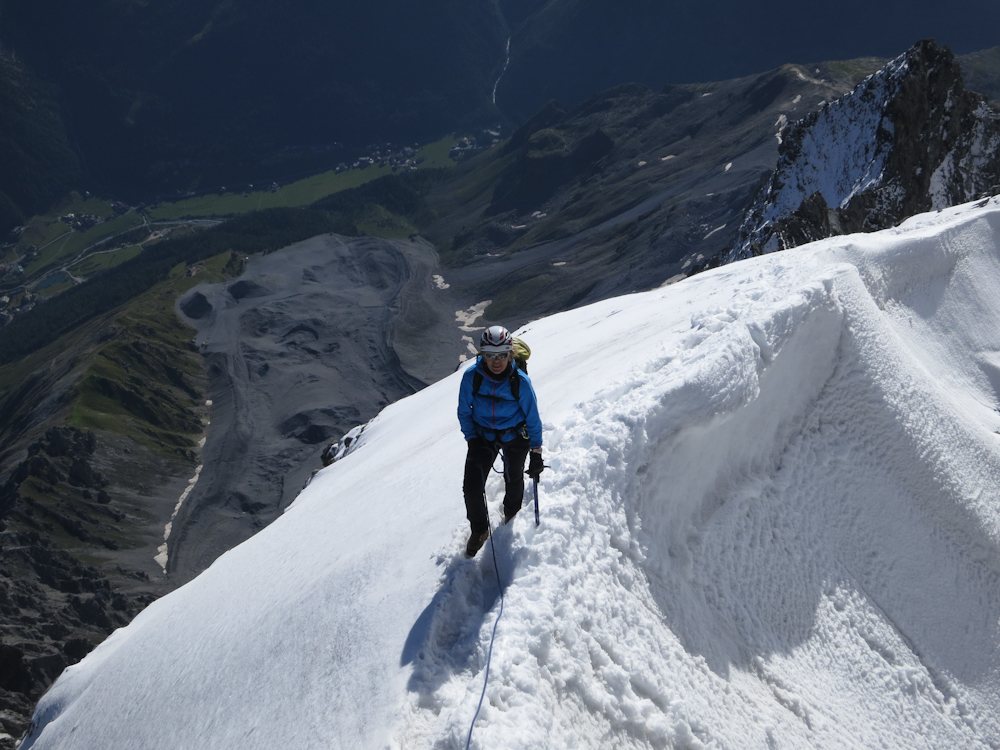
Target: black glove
[535, 465]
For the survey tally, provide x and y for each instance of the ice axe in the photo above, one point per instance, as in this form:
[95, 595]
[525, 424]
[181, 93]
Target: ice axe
[535, 486]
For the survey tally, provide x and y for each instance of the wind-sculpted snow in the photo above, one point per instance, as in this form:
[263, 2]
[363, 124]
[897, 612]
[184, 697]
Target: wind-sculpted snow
[770, 519]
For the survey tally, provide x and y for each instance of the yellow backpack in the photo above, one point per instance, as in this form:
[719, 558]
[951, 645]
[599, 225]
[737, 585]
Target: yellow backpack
[521, 353]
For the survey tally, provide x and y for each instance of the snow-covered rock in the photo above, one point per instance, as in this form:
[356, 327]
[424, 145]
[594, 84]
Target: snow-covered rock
[909, 138]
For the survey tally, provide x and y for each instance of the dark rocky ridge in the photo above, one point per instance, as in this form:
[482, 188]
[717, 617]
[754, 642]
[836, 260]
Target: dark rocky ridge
[909, 139]
[56, 512]
[83, 510]
[625, 192]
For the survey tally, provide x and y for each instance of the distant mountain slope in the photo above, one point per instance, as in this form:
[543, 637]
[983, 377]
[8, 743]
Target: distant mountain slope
[981, 72]
[568, 49]
[632, 188]
[909, 138]
[38, 165]
[308, 343]
[183, 94]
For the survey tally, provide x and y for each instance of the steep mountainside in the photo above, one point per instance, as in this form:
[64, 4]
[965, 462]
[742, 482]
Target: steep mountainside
[185, 94]
[37, 162]
[101, 414]
[908, 139]
[97, 445]
[630, 189]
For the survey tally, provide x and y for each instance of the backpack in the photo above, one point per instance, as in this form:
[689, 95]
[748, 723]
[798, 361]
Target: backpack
[521, 353]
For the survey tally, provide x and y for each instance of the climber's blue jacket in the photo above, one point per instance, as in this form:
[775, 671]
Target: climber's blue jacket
[492, 411]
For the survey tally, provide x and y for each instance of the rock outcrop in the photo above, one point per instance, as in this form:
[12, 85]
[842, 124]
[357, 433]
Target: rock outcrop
[909, 138]
[54, 608]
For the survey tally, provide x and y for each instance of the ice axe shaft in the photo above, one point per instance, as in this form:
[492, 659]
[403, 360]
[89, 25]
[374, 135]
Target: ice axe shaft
[535, 485]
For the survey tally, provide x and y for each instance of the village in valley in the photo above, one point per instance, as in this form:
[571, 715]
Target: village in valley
[27, 277]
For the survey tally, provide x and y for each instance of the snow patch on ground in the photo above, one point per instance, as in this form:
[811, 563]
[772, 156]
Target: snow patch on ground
[162, 556]
[466, 319]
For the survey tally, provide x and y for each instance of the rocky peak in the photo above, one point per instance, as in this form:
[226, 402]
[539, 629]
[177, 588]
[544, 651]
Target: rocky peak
[909, 138]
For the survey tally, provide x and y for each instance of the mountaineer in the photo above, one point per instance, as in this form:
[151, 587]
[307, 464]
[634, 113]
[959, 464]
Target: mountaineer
[498, 413]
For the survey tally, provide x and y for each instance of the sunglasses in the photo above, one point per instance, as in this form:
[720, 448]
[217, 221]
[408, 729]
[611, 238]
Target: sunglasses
[495, 356]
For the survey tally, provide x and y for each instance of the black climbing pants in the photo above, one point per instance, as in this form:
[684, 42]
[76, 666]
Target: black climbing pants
[478, 463]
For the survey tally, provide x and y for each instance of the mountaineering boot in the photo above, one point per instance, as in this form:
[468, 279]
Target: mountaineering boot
[476, 541]
[508, 515]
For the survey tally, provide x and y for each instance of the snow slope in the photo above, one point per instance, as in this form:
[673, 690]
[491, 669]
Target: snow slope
[771, 520]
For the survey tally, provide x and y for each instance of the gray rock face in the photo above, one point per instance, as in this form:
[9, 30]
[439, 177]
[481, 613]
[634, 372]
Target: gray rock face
[909, 138]
[53, 607]
[309, 342]
[195, 306]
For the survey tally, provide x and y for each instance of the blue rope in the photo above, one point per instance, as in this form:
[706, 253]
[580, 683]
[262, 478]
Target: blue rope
[493, 637]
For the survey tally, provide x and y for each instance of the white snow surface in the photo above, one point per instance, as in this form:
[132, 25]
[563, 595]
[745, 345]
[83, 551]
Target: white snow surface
[770, 520]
